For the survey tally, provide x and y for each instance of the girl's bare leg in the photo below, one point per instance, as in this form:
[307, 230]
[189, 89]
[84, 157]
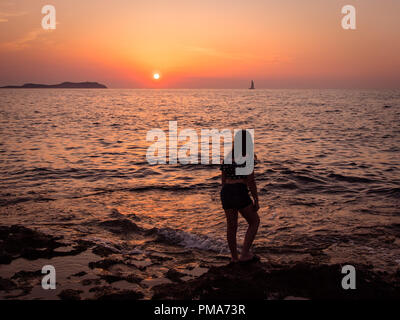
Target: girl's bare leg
[253, 220]
[232, 224]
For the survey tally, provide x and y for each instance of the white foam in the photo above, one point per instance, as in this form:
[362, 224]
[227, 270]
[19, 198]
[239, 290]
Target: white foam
[113, 246]
[195, 241]
[104, 243]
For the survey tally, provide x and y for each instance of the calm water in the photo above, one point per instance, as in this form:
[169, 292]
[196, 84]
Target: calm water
[328, 172]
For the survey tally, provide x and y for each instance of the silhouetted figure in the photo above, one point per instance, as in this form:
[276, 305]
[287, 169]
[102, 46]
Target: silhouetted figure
[235, 198]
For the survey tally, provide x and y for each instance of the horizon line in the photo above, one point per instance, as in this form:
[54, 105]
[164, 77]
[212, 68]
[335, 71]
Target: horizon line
[210, 88]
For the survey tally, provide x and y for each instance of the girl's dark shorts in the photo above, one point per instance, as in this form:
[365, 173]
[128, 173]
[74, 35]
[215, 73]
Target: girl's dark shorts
[235, 196]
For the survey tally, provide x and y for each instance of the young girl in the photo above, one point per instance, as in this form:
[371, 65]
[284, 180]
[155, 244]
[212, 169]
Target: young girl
[235, 198]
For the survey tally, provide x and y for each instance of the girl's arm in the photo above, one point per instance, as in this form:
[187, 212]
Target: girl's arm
[251, 183]
[223, 177]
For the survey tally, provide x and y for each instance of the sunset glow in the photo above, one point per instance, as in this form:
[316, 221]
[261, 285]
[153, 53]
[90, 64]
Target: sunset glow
[207, 44]
[190, 151]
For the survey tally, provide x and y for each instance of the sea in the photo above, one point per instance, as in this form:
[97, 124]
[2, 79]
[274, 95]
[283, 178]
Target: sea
[328, 170]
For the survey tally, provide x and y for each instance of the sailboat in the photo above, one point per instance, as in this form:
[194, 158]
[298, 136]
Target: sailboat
[252, 85]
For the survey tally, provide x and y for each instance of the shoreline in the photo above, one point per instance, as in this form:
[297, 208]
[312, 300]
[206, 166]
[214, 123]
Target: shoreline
[86, 270]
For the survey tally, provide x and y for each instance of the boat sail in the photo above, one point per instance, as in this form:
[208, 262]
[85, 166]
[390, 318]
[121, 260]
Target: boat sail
[252, 85]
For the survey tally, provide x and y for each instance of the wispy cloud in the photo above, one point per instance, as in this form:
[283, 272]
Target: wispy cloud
[24, 41]
[212, 52]
[4, 16]
[277, 58]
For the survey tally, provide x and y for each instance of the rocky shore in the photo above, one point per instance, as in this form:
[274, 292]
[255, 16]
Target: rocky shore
[260, 281]
[92, 271]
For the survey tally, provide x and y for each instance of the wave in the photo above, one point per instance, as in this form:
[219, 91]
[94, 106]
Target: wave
[114, 247]
[287, 186]
[119, 224]
[307, 179]
[17, 200]
[350, 179]
[190, 240]
[79, 173]
[199, 186]
[391, 192]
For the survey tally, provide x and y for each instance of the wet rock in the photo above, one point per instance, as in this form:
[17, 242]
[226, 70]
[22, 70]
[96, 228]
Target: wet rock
[294, 298]
[115, 214]
[159, 258]
[122, 295]
[205, 265]
[80, 274]
[103, 251]
[26, 275]
[89, 282]
[17, 241]
[105, 264]
[174, 275]
[5, 258]
[101, 290]
[118, 215]
[216, 283]
[133, 217]
[261, 281]
[20, 241]
[120, 226]
[70, 294]
[111, 278]
[150, 232]
[7, 285]
[34, 253]
[83, 245]
[15, 237]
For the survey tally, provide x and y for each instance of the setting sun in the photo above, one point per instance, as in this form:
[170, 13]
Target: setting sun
[156, 76]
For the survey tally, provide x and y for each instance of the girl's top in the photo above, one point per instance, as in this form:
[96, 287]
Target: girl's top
[230, 170]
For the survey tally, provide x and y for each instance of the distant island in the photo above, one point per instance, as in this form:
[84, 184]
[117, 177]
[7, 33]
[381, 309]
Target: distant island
[64, 85]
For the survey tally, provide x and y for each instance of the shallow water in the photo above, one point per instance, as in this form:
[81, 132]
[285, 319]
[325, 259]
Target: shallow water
[328, 168]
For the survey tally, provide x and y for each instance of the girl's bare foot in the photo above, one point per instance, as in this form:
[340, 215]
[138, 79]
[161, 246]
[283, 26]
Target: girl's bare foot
[246, 256]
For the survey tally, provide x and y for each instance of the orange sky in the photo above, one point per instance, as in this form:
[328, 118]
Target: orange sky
[202, 44]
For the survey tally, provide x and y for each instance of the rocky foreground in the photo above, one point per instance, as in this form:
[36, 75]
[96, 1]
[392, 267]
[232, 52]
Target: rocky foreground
[264, 281]
[102, 278]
